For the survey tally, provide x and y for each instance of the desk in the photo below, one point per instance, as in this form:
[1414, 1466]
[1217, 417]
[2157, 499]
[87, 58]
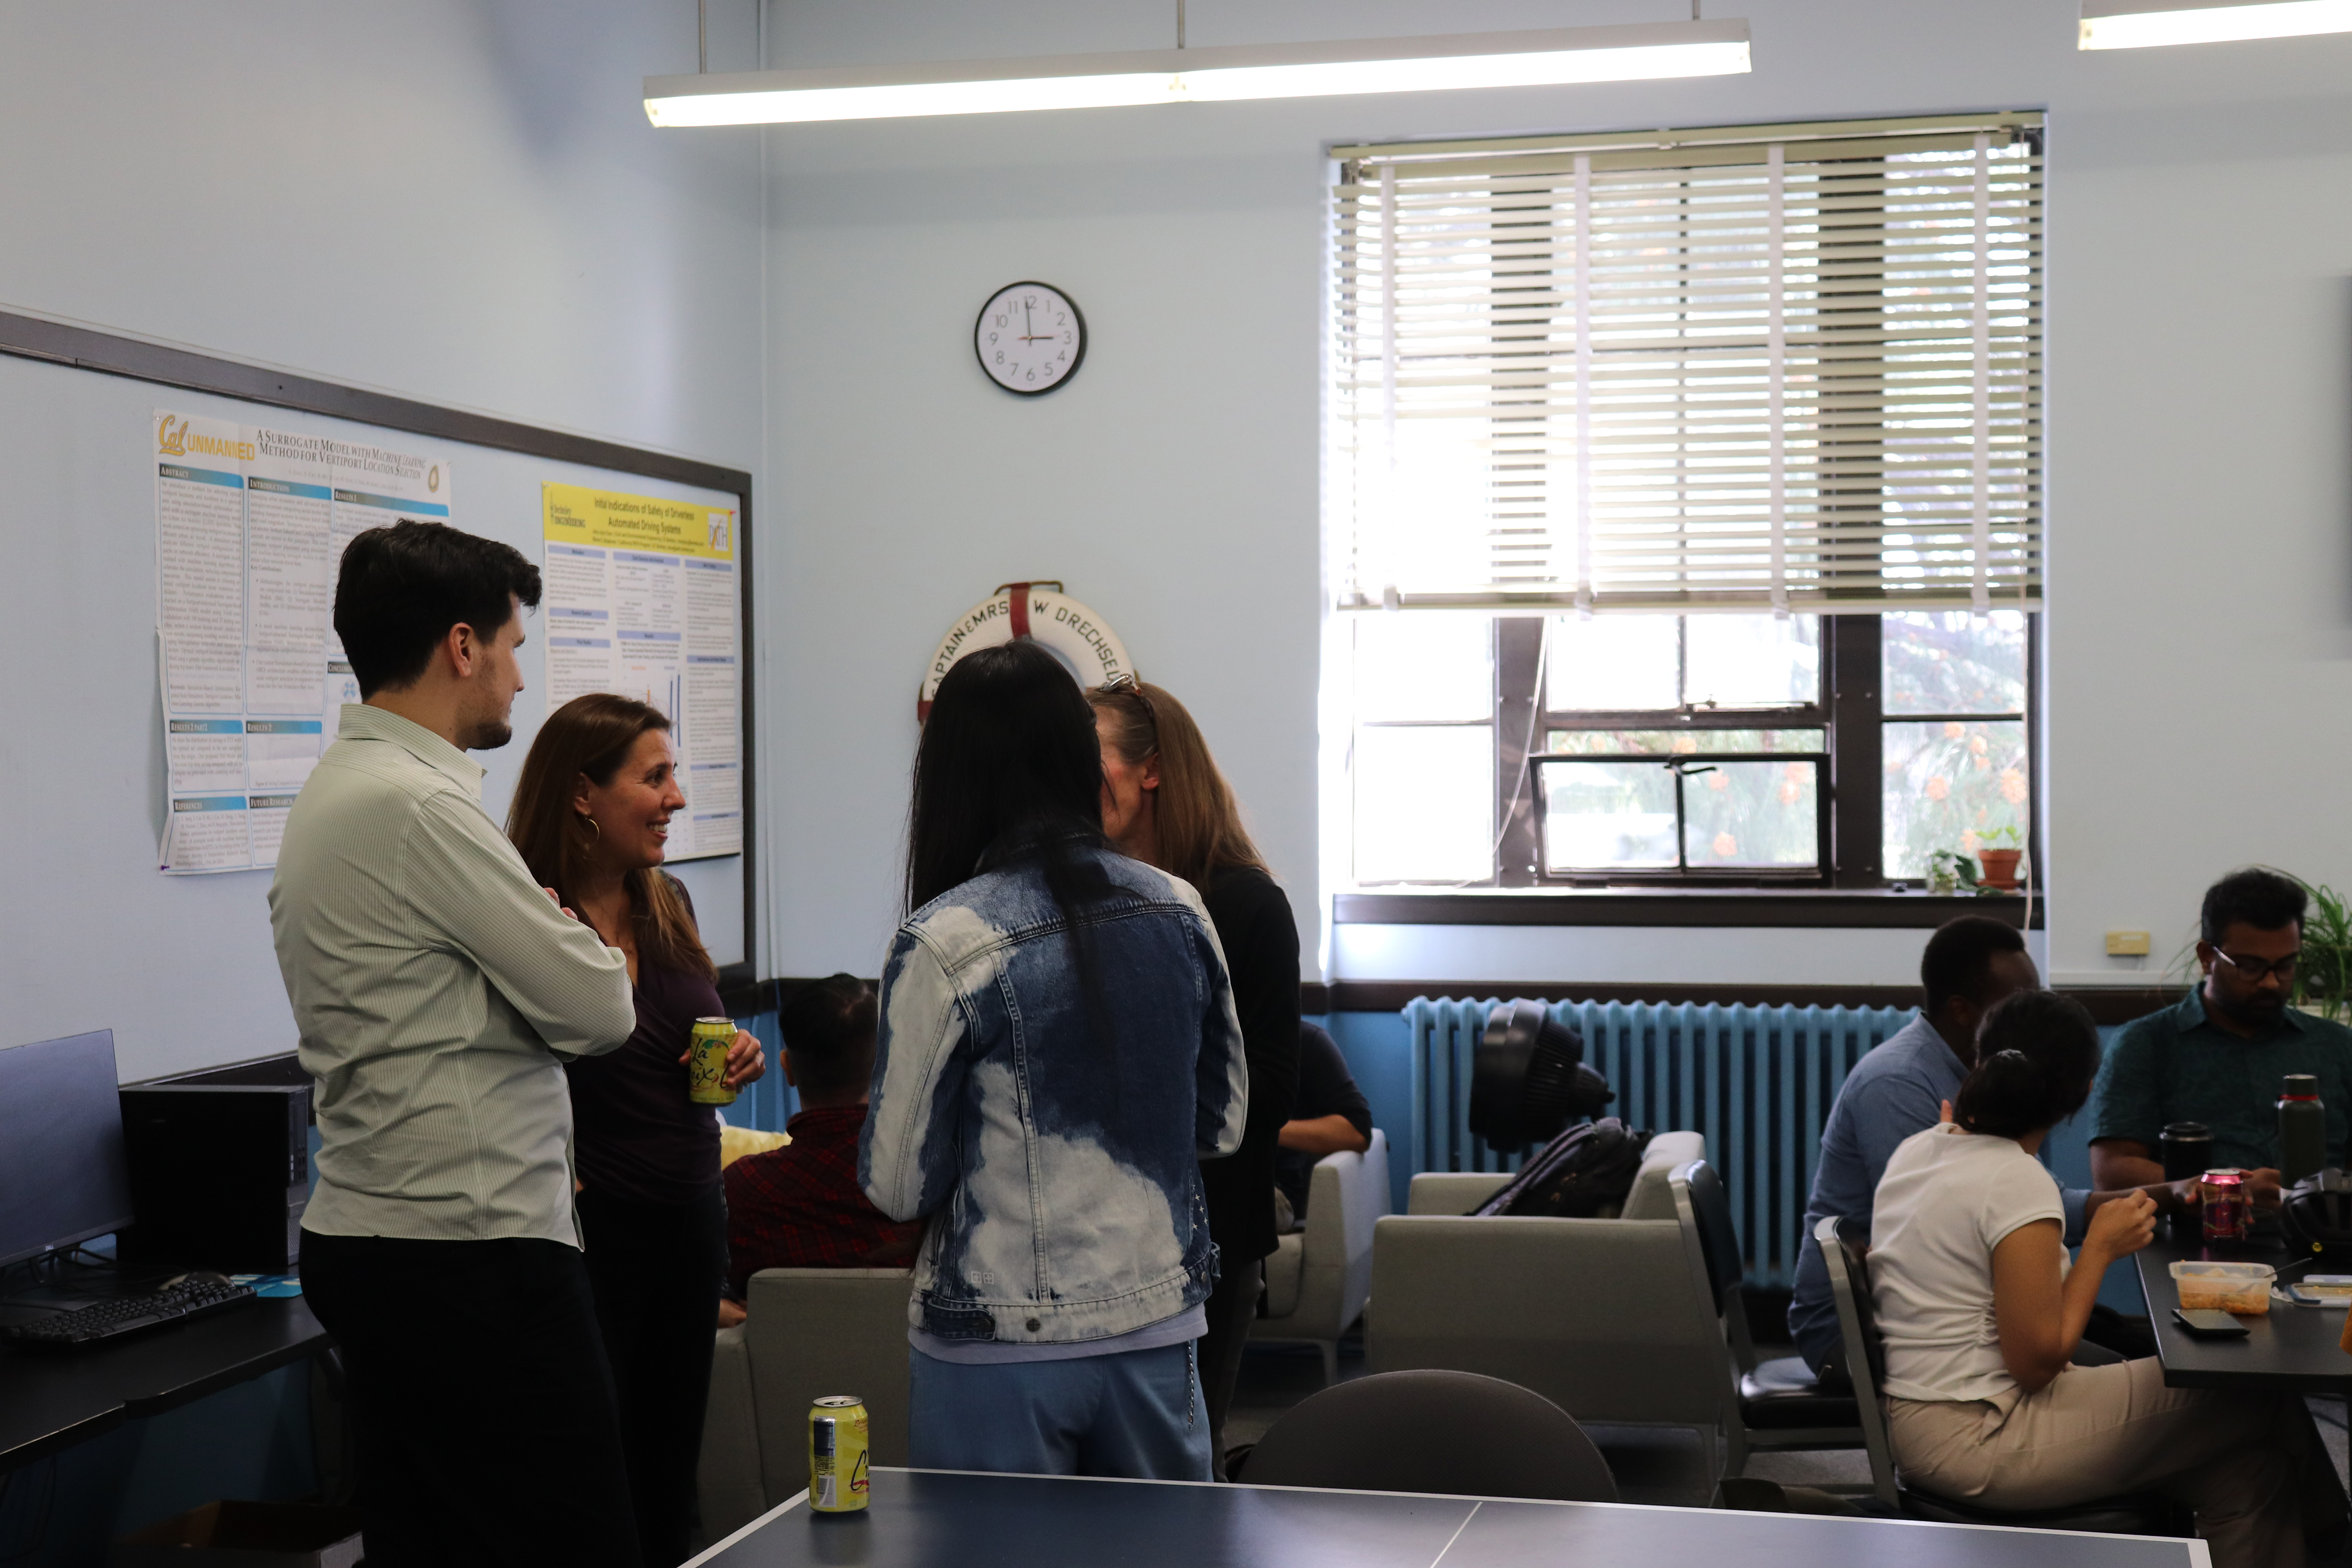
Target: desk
[941, 1518]
[52, 1399]
[2292, 1349]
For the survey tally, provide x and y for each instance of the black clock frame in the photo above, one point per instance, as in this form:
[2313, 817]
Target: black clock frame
[981, 358]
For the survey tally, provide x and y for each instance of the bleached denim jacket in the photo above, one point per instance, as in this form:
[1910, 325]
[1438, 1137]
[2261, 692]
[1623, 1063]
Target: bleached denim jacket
[1060, 1170]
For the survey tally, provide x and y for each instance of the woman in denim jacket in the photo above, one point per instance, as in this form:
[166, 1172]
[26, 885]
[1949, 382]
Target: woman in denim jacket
[1058, 1050]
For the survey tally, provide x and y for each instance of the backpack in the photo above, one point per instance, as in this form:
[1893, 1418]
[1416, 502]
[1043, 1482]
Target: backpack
[1581, 1173]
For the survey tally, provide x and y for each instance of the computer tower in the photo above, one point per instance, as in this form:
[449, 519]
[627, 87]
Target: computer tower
[220, 1175]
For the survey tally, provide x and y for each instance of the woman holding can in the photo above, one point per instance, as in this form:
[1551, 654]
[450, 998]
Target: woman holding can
[1059, 1052]
[1164, 802]
[590, 817]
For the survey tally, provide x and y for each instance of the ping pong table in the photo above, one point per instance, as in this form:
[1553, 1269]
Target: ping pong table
[955, 1518]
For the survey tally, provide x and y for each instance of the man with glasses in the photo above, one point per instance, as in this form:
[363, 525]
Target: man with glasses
[2219, 1056]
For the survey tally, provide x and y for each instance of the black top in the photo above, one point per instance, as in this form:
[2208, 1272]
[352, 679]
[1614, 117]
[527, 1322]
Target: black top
[1326, 1087]
[1261, 942]
[636, 1135]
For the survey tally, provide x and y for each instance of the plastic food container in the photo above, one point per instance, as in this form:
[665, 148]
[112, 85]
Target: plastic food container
[2240, 1287]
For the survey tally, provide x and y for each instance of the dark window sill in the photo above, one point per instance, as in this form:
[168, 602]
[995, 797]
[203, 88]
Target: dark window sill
[1848, 908]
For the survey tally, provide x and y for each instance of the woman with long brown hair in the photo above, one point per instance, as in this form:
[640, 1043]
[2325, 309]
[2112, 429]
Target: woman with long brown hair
[1165, 803]
[591, 817]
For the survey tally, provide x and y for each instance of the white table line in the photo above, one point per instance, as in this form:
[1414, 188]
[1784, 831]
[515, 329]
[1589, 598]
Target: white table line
[1456, 1535]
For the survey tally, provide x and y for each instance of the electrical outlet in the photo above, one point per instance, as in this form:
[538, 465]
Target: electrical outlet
[2127, 944]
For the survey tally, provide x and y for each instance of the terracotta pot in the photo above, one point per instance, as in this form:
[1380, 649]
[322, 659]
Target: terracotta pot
[1999, 867]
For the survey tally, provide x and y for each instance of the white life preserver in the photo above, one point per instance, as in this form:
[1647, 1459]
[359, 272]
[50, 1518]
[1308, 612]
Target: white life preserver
[1039, 611]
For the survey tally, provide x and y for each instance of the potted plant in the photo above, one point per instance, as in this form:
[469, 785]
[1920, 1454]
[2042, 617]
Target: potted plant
[1949, 872]
[2323, 980]
[1999, 849]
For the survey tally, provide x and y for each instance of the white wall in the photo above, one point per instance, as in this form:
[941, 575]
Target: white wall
[2200, 327]
[461, 203]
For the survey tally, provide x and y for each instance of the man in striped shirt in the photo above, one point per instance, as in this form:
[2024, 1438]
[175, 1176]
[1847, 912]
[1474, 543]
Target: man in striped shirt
[438, 990]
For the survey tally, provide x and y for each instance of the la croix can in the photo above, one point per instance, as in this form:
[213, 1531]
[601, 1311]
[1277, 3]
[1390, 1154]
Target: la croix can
[706, 1061]
[2225, 1203]
[838, 1482]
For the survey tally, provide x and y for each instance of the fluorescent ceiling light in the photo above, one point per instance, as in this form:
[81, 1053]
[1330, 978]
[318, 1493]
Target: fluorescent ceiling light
[2149, 24]
[1537, 59]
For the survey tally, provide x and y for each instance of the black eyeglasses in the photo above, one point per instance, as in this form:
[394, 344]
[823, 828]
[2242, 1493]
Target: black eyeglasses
[2254, 969]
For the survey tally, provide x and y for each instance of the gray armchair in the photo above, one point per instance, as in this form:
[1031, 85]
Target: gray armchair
[1318, 1279]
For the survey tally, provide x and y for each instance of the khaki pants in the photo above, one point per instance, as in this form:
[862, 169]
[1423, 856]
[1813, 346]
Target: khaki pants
[2250, 1465]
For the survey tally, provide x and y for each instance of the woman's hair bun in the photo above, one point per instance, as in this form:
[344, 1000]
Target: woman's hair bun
[2037, 1054]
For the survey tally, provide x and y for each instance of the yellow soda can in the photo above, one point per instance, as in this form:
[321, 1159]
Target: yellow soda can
[706, 1061]
[837, 1478]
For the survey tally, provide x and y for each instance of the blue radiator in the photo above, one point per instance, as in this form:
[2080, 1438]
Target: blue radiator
[1757, 1081]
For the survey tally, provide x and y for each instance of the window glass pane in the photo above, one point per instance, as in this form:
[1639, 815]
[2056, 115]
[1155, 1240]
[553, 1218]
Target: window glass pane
[1951, 662]
[1425, 665]
[1602, 816]
[1753, 814]
[1426, 803]
[1948, 785]
[1612, 664]
[1671, 742]
[1754, 661]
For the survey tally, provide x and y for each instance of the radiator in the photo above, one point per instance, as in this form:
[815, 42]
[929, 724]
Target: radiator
[1757, 1081]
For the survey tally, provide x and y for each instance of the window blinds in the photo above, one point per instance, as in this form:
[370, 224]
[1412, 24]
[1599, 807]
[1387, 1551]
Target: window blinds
[1779, 368]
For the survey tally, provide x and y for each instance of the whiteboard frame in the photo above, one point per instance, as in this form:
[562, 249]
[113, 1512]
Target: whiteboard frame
[107, 353]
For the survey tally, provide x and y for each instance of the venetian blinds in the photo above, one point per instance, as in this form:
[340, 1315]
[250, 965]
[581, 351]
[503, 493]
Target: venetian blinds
[1788, 367]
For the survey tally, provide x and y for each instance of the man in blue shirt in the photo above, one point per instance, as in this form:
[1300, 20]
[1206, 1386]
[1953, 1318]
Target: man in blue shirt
[1900, 1087]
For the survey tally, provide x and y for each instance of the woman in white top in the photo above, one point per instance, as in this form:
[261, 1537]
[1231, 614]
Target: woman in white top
[1981, 1317]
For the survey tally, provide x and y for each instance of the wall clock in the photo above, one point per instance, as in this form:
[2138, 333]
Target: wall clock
[1030, 338]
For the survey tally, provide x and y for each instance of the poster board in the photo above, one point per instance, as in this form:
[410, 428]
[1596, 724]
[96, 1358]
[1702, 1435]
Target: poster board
[182, 967]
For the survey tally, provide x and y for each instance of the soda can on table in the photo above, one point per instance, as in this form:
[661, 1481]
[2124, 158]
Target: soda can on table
[706, 1061]
[838, 1482]
[2226, 1204]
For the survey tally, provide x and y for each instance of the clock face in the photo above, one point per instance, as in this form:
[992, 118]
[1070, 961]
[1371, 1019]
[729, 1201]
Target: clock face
[1030, 338]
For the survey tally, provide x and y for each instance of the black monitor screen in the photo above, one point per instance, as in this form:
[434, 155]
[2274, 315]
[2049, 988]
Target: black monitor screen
[63, 1177]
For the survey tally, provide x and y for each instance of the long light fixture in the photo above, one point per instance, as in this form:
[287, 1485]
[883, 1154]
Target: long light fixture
[2151, 23]
[1536, 58]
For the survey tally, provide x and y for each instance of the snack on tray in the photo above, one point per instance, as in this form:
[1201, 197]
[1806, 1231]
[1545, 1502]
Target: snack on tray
[2240, 1287]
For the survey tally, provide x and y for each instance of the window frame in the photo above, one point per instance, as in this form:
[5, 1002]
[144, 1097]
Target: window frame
[1850, 799]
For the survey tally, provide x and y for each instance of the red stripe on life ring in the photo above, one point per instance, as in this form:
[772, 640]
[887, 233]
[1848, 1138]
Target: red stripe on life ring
[1020, 592]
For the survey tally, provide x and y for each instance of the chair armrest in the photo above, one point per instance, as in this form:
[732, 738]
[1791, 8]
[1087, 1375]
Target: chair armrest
[1452, 1191]
[1652, 1197]
[727, 1478]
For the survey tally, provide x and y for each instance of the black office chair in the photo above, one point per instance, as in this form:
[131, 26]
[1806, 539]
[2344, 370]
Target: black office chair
[1845, 1249]
[1451, 1432]
[1776, 1404]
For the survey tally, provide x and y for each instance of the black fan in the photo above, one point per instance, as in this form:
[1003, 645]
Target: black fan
[1528, 1078]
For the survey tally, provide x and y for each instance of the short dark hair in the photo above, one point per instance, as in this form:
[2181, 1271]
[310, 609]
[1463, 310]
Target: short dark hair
[2036, 1056]
[2255, 896]
[402, 588]
[1959, 957]
[829, 1026]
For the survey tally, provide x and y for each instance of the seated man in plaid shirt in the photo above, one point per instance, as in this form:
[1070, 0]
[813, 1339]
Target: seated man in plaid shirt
[800, 1206]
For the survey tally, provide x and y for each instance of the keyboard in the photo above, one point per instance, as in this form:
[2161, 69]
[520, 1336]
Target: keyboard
[110, 1320]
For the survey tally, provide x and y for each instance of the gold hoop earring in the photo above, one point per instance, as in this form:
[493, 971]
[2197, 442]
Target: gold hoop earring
[594, 826]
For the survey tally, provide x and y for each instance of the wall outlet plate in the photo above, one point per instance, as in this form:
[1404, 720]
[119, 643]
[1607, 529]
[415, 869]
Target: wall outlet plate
[2127, 944]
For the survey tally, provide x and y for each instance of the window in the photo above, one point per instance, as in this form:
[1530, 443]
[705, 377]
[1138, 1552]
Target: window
[1704, 468]
[1832, 751]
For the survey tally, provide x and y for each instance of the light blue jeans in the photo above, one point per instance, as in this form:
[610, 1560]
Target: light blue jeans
[1134, 1415]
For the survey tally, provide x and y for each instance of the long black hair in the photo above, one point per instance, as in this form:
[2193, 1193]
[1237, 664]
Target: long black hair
[1009, 771]
[2037, 1052]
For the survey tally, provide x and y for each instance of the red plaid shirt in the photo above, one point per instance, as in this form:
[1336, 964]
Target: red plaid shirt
[800, 1206]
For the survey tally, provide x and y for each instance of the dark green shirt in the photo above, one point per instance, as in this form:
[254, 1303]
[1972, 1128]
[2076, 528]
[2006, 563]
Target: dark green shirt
[2177, 1066]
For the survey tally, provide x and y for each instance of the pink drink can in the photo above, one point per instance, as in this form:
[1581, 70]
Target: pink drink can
[2225, 1205]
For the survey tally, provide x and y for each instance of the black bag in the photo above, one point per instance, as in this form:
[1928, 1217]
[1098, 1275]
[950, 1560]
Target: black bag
[1583, 1171]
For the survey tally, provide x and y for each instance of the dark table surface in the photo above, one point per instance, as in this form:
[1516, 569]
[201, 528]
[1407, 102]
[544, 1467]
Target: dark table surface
[937, 1519]
[50, 1399]
[2290, 1348]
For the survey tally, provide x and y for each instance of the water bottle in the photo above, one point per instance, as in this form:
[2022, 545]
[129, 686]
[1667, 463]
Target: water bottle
[2302, 1129]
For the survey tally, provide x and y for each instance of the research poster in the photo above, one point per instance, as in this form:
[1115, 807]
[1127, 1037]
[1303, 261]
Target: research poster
[250, 524]
[642, 598]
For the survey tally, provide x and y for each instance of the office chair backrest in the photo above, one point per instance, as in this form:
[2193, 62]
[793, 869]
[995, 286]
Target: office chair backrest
[1448, 1432]
[1845, 1250]
[1718, 1239]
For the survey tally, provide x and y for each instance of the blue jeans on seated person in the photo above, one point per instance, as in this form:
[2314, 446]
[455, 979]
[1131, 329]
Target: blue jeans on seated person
[1132, 1415]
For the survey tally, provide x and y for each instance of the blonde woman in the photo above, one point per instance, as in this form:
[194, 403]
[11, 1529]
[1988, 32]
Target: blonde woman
[1164, 803]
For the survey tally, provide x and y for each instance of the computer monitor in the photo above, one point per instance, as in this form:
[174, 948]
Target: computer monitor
[63, 1175]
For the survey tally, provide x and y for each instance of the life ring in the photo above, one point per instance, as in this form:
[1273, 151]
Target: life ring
[1039, 611]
